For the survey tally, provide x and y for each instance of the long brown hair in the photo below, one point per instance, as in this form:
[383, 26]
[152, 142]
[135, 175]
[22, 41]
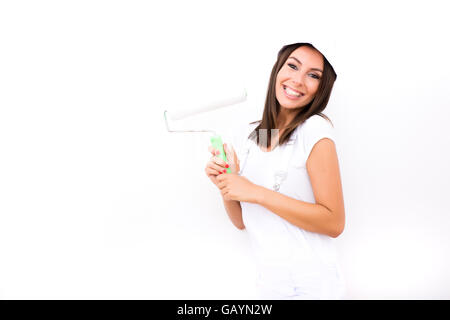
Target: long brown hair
[272, 106]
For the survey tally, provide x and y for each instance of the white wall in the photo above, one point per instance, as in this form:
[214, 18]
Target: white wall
[98, 200]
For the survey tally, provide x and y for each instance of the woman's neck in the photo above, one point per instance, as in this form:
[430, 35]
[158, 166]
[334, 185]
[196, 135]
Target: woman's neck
[285, 117]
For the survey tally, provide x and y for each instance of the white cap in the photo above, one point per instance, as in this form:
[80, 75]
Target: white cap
[326, 46]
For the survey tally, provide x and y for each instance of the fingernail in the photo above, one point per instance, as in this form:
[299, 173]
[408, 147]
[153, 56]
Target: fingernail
[227, 166]
[224, 171]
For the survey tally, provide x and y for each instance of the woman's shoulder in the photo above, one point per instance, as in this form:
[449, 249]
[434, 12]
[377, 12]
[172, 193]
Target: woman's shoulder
[319, 118]
[317, 122]
[254, 124]
[250, 126]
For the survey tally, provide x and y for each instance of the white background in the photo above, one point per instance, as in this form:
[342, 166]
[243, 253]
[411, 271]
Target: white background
[99, 201]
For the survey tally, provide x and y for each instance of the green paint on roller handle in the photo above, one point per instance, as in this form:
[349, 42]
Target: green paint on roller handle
[216, 143]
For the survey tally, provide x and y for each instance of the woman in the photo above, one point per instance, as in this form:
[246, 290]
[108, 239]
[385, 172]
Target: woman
[288, 192]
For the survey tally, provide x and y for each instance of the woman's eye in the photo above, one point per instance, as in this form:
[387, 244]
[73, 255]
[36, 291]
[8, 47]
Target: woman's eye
[293, 66]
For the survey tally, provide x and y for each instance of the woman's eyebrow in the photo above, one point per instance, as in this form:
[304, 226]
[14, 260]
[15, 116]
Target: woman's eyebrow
[317, 69]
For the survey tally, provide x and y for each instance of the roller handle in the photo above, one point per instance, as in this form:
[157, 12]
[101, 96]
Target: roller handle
[216, 143]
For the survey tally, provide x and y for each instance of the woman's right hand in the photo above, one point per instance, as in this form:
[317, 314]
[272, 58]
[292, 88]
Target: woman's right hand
[216, 165]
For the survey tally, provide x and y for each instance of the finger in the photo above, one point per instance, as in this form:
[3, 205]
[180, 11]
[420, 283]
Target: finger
[212, 165]
[213, 151]
[212, 172]
[220, 162]
[216, 167]
[227, 150]
[224, 191]
[231, 154]
[221, 177]
[221, 184]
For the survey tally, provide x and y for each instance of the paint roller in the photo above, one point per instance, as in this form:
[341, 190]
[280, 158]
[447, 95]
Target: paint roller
[234, 96]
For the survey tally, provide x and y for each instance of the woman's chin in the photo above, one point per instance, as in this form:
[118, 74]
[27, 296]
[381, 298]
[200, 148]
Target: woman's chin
[290, 106]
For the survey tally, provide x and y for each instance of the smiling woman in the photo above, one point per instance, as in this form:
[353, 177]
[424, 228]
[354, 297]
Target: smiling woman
[284, 188]
[300, 70]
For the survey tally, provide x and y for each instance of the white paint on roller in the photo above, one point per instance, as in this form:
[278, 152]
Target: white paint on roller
[191, 108]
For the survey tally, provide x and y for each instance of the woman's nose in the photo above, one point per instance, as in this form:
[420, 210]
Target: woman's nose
[298, 81]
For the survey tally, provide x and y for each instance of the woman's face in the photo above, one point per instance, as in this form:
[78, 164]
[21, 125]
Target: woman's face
[298, 79]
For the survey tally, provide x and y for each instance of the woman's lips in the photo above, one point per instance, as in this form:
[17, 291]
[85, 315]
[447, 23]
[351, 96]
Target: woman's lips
[291, 96]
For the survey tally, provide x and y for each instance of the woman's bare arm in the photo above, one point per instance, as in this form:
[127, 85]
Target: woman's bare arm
[327, 215]
[234, 212]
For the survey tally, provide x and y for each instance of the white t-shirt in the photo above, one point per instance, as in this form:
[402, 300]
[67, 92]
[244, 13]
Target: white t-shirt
[293, 263]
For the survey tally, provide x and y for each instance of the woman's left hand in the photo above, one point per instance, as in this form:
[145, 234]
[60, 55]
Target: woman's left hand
[235, 187]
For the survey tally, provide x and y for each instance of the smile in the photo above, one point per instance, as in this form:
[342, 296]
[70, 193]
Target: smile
[292, 94]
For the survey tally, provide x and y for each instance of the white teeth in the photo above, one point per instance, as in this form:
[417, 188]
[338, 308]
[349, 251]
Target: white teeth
[291, 92]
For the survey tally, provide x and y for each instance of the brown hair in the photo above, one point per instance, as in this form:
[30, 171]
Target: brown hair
[272, 106]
